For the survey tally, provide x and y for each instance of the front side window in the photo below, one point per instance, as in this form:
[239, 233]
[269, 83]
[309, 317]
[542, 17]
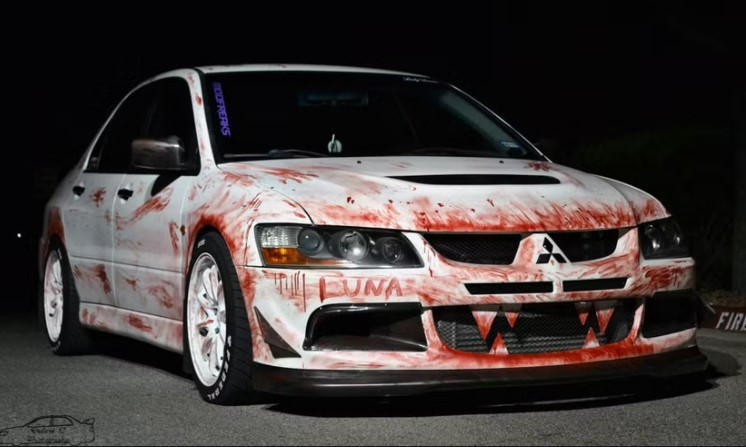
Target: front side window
[289, 114]
[171, 116]
[111, 154]
[161, 109]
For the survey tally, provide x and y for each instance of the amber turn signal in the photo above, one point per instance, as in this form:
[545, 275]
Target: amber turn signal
[291, 256]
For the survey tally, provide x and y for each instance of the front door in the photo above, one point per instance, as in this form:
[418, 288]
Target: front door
[149, 234]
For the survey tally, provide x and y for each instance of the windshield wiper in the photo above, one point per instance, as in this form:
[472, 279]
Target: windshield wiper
[278, 153]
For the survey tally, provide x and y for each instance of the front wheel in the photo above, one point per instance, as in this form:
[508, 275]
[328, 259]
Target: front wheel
[217, 337]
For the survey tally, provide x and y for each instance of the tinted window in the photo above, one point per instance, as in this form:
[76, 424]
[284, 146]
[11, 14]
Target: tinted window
[161, 109]
[350, 114]
[172, 115]
[112, 151]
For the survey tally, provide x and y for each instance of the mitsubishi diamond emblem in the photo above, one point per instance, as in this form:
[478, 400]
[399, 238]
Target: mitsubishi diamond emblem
[550, 251]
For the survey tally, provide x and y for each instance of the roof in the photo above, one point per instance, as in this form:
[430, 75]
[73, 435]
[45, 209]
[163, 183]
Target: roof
[298, 67]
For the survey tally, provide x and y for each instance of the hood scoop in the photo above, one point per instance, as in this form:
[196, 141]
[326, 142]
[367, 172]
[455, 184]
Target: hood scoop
[480, 179]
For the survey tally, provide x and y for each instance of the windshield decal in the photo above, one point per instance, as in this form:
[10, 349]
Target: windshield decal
[225, 128]
[418, 79]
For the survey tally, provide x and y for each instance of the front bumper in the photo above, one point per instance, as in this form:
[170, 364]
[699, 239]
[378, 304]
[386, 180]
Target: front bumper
[348, 383]
[281, 304]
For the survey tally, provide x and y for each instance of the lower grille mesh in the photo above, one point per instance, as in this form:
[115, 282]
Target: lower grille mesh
[540, 327]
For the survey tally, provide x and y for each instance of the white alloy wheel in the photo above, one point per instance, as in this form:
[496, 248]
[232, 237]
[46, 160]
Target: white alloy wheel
[206, 319]
[53, 295]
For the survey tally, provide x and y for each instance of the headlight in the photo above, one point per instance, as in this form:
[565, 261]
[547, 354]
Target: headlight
[662, 239]
[293, 246]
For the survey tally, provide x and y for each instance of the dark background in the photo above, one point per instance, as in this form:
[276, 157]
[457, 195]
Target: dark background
[652, 96]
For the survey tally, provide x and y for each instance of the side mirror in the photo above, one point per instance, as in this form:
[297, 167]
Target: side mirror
[158, 154]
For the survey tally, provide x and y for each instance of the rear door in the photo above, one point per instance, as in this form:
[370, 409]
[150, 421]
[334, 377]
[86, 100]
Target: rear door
[149, 232]
[89, 215]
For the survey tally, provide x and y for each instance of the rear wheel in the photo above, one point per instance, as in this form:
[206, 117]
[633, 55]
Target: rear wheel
[60, 306]
[217, 337]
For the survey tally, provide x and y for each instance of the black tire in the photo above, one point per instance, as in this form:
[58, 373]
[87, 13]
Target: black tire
[74, 339]
[234, 386]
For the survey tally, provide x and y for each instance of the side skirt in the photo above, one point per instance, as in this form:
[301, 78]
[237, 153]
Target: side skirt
[158, 331]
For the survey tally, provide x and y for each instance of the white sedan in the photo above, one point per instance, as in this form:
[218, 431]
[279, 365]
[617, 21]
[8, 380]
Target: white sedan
[309, 230]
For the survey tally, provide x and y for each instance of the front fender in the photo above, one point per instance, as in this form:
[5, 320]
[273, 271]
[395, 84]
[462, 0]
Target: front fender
[233, 206]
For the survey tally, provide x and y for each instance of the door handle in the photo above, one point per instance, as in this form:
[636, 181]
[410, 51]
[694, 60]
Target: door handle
[125, 193]
[78, 190]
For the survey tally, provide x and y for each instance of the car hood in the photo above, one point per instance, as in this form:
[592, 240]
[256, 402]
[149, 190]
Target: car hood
[451, 193]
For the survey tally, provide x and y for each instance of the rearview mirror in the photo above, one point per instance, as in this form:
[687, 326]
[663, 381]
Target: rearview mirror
[158, 154]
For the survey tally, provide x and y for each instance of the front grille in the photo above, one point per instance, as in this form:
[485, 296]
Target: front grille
[581, 246]
[501, 249]
[539, 327]
[494, 249]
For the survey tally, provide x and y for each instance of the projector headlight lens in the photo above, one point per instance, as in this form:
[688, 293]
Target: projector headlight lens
[392, 250]
[310, 242]
[285, 246]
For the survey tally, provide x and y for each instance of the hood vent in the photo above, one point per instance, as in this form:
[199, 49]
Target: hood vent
[480, 179]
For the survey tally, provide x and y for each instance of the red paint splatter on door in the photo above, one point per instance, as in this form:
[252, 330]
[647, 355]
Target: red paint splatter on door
[98, 196]
[163, 295]
[100, 272]
[154, 205]
[173, 231]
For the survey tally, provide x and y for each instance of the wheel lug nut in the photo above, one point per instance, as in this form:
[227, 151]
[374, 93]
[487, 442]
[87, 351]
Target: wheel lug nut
[203, 331]
[217, 330]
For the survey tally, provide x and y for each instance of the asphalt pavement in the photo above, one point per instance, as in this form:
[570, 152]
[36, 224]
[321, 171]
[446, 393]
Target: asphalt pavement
[138, 395]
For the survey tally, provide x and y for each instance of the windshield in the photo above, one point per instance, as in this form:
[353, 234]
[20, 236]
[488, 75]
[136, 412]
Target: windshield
[321, 114]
